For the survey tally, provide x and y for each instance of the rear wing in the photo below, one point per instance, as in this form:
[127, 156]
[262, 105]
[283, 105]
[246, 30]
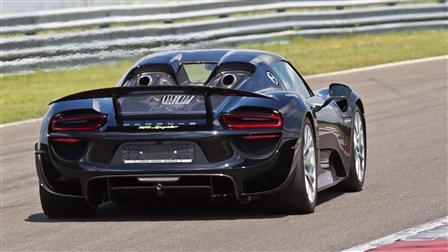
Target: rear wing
[120, 91]
[123, 119]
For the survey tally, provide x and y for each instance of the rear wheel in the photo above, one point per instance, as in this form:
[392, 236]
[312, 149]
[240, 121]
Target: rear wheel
[300, 195]
[57, 206]
[355, 180]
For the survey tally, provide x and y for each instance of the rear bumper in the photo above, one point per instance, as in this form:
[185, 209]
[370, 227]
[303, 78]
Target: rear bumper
[93, 181]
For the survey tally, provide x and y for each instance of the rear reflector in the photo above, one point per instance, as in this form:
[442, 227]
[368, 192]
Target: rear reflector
[260, 137]
[65, 140]
[78, 122]
[252, 121]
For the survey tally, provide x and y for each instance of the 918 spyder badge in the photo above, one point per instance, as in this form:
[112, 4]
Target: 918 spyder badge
[157, 127]
[177, 99]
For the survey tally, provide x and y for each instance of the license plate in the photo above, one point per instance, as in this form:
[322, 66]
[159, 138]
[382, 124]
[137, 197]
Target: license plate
[157, 154]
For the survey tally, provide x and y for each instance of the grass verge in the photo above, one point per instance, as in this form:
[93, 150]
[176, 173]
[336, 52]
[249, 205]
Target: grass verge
[26, 96]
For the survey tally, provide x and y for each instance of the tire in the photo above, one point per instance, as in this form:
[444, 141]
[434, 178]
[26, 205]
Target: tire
[56, 206]
[295, 198]
[355, 180]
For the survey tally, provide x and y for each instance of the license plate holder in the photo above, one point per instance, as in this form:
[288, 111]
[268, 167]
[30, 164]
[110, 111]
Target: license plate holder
[157, 153]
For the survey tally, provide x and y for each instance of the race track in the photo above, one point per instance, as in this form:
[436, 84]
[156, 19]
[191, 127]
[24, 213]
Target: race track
[406, 185]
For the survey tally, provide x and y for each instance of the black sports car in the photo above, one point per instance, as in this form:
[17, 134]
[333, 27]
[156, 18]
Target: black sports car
[221, 123]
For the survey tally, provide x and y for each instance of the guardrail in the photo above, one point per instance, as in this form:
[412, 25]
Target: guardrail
[73, 14]
[286, 19]
[145, 14]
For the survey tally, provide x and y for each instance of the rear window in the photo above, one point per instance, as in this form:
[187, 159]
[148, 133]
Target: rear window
[198, 73]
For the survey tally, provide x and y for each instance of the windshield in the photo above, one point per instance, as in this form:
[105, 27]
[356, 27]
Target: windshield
[198, 73]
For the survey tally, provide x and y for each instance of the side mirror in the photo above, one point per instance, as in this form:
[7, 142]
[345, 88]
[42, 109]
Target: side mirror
[337, 92]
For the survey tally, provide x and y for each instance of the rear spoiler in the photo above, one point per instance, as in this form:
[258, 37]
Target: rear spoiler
[120, 91]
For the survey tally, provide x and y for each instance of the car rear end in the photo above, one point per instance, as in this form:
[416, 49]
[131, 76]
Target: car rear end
[163, 141]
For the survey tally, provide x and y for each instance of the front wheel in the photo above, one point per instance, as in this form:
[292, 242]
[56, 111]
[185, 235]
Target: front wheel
[357, 173]
[301, 193]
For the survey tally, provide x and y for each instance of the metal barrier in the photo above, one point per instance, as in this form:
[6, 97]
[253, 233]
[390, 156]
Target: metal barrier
[145, 14]
[70, 48]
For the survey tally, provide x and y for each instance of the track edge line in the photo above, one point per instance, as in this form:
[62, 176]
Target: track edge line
[385, 65]
[398, 235]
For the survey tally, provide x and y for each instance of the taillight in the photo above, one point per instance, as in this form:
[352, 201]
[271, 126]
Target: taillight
[252, 121]
[77, 122]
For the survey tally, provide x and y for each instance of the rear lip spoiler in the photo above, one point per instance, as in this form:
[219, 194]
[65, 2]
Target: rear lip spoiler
[120, 91]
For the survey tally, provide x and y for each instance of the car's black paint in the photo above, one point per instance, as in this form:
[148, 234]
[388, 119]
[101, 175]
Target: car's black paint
[249, 175]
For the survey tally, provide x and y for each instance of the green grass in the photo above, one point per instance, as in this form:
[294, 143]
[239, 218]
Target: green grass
[26, 96]
[328, 54]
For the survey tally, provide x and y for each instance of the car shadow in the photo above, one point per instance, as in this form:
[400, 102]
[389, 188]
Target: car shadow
[328, 195]
[184, 210]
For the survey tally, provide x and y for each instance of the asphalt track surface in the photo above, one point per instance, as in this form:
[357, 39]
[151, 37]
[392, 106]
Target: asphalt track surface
[406, 185]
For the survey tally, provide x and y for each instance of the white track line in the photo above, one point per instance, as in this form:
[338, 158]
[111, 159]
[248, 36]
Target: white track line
[20, 122]
[399, 235]
[393, 64]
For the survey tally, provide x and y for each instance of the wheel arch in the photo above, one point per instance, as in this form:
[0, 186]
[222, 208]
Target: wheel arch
[360, 105]
[314, 123]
